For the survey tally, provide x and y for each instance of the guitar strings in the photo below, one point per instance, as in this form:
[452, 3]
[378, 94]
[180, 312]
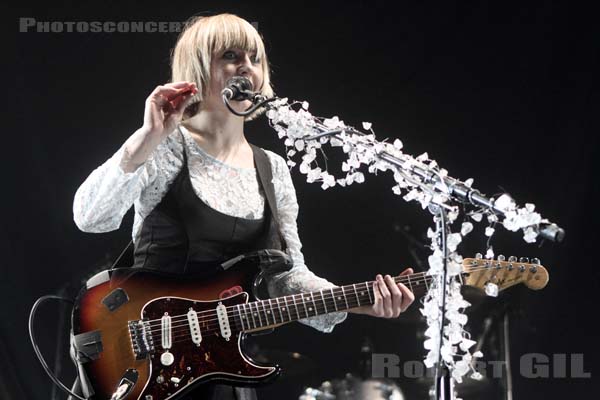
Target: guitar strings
[329, 304]
[328, 298]
[263, 309]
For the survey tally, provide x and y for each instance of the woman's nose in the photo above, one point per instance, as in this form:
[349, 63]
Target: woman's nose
[245, 64]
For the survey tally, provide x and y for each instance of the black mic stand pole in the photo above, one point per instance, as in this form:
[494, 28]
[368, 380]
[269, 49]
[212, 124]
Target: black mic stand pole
[443, 386]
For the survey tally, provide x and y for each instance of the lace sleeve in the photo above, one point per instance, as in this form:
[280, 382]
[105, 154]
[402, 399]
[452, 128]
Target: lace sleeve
[108, 193]
[299, 278]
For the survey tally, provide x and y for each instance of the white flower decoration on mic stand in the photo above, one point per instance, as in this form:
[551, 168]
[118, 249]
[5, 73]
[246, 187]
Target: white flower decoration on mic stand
[305, 134]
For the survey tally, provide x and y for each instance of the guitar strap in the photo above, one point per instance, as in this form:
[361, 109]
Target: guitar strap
[265, 174]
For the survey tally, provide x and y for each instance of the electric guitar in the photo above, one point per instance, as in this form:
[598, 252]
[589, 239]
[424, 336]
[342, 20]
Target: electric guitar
[140, 334]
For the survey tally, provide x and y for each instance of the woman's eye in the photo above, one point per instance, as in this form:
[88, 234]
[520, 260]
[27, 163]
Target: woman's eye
[229, 55]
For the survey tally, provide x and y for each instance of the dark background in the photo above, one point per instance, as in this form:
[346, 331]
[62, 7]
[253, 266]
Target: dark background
[506, 94]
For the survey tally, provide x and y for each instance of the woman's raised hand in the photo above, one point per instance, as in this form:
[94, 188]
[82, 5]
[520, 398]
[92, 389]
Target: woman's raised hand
[164, 110]
[165, 106]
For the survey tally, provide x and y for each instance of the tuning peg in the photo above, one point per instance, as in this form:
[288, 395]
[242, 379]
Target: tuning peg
[524, 260]
[501, 257]
[535, 261]
[479, 256]
[512, 259]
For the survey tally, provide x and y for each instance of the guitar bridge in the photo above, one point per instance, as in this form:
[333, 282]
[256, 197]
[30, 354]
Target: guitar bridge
[141, 338]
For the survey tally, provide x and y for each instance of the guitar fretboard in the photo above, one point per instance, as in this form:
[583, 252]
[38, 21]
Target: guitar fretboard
[281, 310]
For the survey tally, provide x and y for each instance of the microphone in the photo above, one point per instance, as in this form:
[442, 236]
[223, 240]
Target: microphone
[238, 88]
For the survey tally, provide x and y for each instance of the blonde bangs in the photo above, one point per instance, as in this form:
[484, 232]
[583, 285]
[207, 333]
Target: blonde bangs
[204, 37]
[229, 32]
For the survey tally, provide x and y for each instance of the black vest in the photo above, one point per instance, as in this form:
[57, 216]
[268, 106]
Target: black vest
[185, 235]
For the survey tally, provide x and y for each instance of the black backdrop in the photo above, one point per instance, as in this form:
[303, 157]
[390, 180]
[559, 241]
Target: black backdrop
[506, 94]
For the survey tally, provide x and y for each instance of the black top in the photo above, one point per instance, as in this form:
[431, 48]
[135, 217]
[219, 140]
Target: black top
[185, 235]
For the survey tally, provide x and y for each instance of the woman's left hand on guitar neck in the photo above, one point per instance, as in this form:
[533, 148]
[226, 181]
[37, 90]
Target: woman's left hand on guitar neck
[391, 299]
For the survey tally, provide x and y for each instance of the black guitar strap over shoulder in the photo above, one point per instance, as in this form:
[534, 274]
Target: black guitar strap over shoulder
[265, 174]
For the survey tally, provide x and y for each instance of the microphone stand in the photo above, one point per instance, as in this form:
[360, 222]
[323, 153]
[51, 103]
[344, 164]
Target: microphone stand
[440, 193]
[443, 386]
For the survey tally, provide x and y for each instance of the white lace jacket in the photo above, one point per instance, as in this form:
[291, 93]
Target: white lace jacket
[108, 193]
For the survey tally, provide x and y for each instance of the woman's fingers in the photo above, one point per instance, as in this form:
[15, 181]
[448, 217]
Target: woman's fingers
[185, 95]
[390, 298]
[165, 105]
[396, 297]
[378, 303]
[163, 94]
[386, 296]
[407, 297]
[186, 101]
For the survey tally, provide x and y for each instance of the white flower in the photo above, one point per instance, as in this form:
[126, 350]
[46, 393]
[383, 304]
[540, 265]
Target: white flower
[465, 228]
[328, 180]
[423, 157]
[453, 241]
[333, 123]
[304, 168]
[366, 125]
[476, 217]
[335, 142]
[477, 376]
[530, 235]
[505, 203]
[466, 344]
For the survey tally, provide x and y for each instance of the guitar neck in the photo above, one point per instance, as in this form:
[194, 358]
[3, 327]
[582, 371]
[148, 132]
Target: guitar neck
[265, 314]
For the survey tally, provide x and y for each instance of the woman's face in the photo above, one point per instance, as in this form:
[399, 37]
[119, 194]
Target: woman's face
[227, 64]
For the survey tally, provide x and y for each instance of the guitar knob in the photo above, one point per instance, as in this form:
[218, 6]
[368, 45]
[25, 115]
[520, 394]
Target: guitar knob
[501, 257]
[479, 256]
[167, 358]
[512, 259]
[524, 260]
[535, 261]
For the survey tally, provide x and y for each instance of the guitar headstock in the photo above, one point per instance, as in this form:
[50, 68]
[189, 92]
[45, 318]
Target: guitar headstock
[496, 275]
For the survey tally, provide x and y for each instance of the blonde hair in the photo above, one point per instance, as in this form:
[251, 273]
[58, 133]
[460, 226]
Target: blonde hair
[204, 36]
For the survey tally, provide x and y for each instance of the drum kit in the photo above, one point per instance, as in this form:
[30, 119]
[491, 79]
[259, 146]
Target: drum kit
[354, 388]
